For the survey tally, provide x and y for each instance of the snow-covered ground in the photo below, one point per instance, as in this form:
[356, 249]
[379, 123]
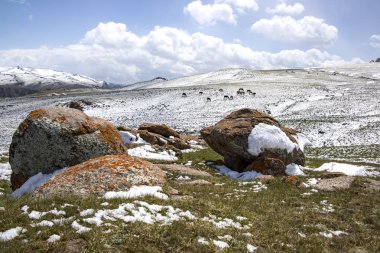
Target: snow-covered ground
[332, 108]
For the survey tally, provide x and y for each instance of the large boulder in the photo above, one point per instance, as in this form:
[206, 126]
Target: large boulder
[252, 140]
[102, 174]
[56, 137]
[163, 130]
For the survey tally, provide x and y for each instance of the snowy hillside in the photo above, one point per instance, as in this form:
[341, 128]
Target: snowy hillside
[144, 84]
[243, 76]
[17, 81]
[339, 113]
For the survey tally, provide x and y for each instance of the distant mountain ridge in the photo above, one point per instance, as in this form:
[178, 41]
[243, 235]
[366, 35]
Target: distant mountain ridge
[144, 84]
[18, 81]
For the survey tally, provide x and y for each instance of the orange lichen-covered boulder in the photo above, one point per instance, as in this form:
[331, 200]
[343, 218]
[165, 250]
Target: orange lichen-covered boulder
[102, 174]
[56, 137]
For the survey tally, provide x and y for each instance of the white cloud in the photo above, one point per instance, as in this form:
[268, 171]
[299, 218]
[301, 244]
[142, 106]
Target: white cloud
[375, 41]
[30, 17]
[209, 14]
[308, 29]
[111, 52]
[241, 5]
[283, 8]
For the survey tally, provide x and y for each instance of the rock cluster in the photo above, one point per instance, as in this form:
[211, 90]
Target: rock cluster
[232, 138]
[162, 136]
[78, 104]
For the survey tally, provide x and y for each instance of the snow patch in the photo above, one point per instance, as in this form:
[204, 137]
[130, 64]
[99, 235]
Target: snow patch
[236, 175]
[5, 171]
[302, 141]
[86, 212]
[148, 152]
[79, 228]
[251, 248]
[348, 169]
[267, 137]
[53, 238]
[44, 223]
[129, 138]
[316, 98]
[10, 234]
[220, 244]
[202, 240]
[137, 191]
[34, 182]
[35, 215]
[330, 233]
[294, 170]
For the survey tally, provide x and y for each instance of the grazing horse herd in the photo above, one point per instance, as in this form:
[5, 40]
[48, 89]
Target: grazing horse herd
[240, 92]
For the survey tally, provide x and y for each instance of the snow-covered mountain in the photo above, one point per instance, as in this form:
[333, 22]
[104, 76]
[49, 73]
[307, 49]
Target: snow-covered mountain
[17, 81]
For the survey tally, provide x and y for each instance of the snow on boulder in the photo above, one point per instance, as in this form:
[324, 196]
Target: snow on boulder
[116, 173]
[268, 137]
[55, 137]
[250, 140]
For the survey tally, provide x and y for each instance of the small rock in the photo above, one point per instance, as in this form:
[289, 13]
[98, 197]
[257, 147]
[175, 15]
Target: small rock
[75, 246]
[303, 185]
[2, 208]
[336, 183]
[194, 182]
[172, 191]
[184, 170]
[163, 130]
[372, 185]
[331, 174]
[181, 197]
[265, 178]
[291, 180]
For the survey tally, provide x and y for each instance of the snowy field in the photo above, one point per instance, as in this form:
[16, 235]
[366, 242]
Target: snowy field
[338, 109]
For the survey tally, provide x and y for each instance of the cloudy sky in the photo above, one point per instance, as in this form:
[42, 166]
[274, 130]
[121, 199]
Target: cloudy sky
[126, 41]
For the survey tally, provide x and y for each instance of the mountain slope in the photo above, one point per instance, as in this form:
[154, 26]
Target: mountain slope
[143, 84]
[17, 81]
[242, 76]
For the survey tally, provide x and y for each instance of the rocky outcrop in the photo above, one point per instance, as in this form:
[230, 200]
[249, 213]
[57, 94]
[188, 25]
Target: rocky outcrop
[56, 137]
[163, 130]
[102, 174]
[267, 150]
[79, 104]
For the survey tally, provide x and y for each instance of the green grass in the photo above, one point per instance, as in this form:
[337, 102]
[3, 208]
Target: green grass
[359, 155]
[4, 159]
[200, 156]
[277, 215]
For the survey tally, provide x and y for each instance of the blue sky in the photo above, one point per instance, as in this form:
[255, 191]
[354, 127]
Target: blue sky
[128, 41]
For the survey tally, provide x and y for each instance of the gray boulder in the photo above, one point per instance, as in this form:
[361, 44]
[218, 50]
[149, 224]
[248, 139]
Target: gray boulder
[230, 138]
[56, 137]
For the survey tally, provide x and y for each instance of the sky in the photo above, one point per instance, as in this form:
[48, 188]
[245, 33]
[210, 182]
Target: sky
[128, 41]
